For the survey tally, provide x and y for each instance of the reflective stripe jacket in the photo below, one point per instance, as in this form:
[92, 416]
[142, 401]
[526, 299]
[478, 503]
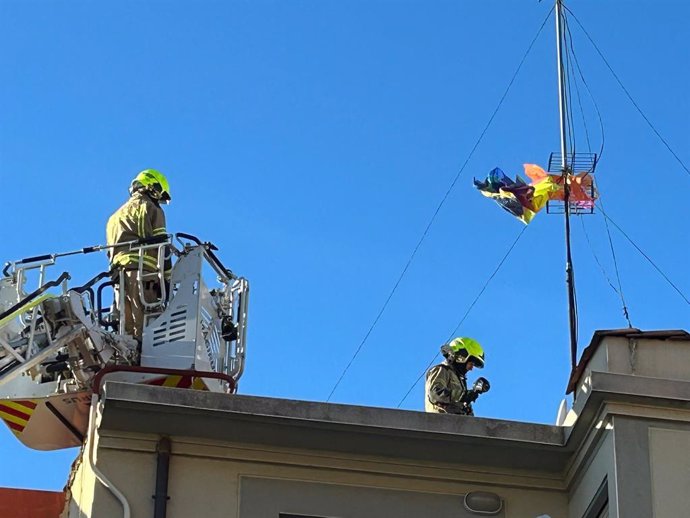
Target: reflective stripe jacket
[445, 391]
[140, 217]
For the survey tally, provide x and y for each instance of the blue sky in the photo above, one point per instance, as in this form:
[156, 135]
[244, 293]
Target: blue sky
[313, 140]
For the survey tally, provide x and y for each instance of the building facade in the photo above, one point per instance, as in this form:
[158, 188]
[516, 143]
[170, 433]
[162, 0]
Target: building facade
[622, 451]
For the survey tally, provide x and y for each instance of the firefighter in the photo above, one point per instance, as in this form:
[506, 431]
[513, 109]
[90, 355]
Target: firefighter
[446, 383]
[141, 217]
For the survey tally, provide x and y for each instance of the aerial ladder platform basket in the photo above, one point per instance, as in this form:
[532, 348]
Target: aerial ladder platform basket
[58, 343]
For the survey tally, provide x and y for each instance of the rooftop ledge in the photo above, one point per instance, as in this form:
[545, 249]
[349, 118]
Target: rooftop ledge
[331, 427]
[375, 431]
[650, 368]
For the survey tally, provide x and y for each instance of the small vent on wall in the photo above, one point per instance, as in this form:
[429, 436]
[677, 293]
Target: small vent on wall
[172, 329]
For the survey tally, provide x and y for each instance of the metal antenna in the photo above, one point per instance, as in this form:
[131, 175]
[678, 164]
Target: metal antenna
[565, 171]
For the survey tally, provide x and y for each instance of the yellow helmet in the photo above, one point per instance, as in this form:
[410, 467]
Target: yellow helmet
[462, 350]
[153, 182]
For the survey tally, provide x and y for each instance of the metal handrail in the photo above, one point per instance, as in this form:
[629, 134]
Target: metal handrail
[37, 293]
[229, 360]
[98, 378]
[49, 259]
[209, 249]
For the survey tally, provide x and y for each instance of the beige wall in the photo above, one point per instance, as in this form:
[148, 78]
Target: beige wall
[663, 359]
[669, 453]
[338, 500]
[205, 480]
[667, 359]
[132, 472]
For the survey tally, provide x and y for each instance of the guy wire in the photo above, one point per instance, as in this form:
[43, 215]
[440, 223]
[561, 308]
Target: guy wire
[438, 208]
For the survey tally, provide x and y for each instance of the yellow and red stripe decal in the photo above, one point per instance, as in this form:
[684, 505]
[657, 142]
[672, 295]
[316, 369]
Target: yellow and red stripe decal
[16, 414]
[179, 382]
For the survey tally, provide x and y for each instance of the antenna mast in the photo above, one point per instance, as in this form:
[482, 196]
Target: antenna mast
[565, 171]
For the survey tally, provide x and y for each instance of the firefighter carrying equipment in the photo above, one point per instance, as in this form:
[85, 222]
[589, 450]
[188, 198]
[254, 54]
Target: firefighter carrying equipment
[446, 383]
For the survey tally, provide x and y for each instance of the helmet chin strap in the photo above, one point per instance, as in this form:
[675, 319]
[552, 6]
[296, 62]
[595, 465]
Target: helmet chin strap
[154, 194]
[460, 367]
[136, 187]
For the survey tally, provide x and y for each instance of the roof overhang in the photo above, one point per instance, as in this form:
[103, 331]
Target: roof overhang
[381, 432]
[359, 430]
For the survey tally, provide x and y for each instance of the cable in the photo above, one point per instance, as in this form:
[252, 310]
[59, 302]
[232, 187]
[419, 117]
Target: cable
[570, 270]
[579, 101]
[562, 72]
[576, 317]
[591, 96]
[438, 208]
[596, 258]
[643, 254]
[620, 83]
[570, 119]
[589, 92]
[481, 292]
[615, 264]
[619, 290]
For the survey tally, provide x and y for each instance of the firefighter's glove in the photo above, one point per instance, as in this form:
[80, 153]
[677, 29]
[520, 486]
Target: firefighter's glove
[471, 397]
[481, 386]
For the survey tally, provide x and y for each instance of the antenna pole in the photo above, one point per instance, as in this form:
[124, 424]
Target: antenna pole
[565, 170]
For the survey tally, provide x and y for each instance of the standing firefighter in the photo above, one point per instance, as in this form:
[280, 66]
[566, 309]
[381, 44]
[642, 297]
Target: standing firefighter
[446, 385]
[140, 218]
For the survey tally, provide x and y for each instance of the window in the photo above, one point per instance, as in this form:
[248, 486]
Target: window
[599, 507]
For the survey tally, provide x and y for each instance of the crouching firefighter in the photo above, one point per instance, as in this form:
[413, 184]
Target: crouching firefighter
[141, 219]
[446, 383]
